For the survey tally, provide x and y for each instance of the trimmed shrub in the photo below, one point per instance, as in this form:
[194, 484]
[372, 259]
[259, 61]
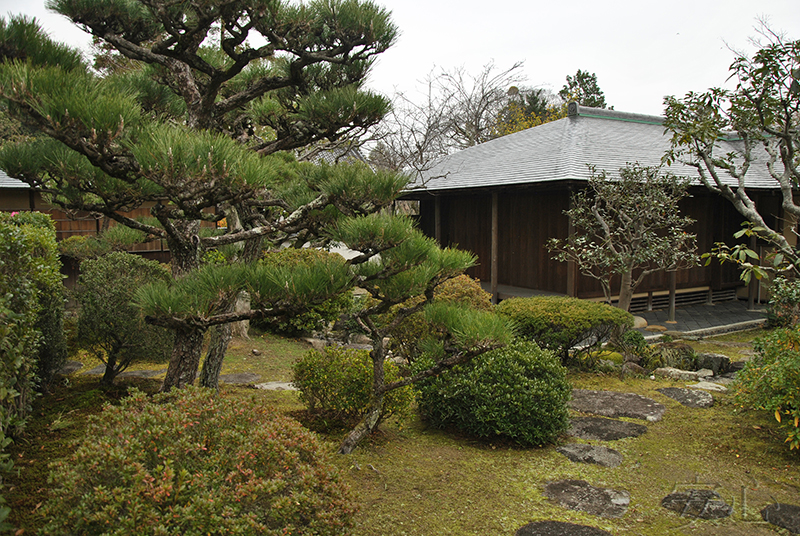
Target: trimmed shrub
[560, 323]
[771, 380]
[517, 392]
[40, 231]
[191, 463]
[784, 303]
[109, 321]
[408, 336]
[317, 316]
[336, 383]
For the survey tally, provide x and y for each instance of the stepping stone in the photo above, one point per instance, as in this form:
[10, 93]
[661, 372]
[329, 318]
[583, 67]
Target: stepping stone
[614, 404]
[655, 328]
[700, 503]
[276, 386]
[601, 429]
[580, 453]
[692, 398]
[708, 386]
[240, 378]
[786, 516]
[582, 496]
[96, 371]
[558, 528]
[141, 373]
[69, 367]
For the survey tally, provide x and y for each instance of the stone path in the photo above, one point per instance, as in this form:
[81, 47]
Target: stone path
[580, 495]
[601, 429]
[692, 398]
[558, 528]
[699, 503]
[614, 404]
[581, 453]
[786, 516]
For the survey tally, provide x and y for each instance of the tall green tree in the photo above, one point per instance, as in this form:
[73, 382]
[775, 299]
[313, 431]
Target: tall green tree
[199, 133]
[583, 89]
[628, 227]
[529, 108]
[725, 133]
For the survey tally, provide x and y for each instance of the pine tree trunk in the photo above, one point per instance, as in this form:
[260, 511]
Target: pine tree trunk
[185, 360]
[364, 428]
[110, 372]
[220, 337]
[625, 291]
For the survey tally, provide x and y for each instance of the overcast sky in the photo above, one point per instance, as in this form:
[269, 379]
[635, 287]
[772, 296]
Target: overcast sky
[641, 50]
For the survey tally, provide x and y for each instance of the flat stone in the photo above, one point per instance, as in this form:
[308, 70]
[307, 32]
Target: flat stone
[240, 378]
[558, 528]
[676, 374]
[582, 496]
[69, 367]
[96, 371]
[786, 516]
[656, 328]
[702, 374]
[708, 386]
[141, 373]
[276, 386]
[692, 398]
[700, 503]
[581, 453]
[598, 428]
[614, 404]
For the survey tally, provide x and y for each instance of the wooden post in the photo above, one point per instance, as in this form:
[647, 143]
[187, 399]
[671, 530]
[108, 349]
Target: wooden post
[494, 262]
[673, 283]
[437, 220]
[572, 269]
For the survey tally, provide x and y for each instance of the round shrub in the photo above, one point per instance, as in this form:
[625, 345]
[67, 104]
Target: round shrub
[406, 337]
[316, 317]
[191, 463]
[518, 392]
[337, 383]
[560, 323]
[771, 380]
[784, 302]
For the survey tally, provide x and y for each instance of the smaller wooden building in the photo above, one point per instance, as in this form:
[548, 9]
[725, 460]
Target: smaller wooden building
[502, 200]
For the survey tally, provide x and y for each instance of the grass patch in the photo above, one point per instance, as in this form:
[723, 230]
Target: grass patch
[414, 480]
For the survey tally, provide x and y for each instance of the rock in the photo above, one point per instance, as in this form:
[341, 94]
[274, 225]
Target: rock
[582, 496]
[240, 378]
[673, 334]
[276, 386]
[359, 339]
[705, 373]
[786, 516]
[639, 322]
[69, 367]
[141, 373]
[558, 528]
[614, 404]
[701, 503]
[736, 366]
[255, 351]
[656, 328]
[96, 371]
[708, 386]
[632, 369]
[316, 344]
[693, 398]
[580, 453]
[598, 428]
[719, 363]
[676, 374]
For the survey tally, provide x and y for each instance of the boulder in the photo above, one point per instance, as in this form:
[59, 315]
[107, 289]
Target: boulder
[719, 363]
[676, 374]
[630, 368]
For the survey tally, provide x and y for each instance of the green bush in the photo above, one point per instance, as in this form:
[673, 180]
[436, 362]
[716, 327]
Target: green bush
[408, 336]
[559, 323]
[784, 303]
[108, 320]
[191, 463]
[316, 317]
[336, 383]
[40, 232]
[771, 380]
[518, 392]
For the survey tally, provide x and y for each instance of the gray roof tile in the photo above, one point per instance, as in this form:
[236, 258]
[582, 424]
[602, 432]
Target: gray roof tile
[8, 182]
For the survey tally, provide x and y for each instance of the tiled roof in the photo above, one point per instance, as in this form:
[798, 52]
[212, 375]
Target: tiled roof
[8, 182]
[561, 150]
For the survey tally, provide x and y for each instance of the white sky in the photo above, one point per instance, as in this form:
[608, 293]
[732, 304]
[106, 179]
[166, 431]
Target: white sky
[641, 50]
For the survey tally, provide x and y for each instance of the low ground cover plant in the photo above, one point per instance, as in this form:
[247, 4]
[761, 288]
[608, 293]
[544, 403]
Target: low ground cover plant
[561, 324]
[335, 384]
[518, 392]
[771, 380]
[191, 463]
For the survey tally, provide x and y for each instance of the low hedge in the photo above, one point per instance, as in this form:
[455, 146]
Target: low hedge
[560, 323]
[517, 392]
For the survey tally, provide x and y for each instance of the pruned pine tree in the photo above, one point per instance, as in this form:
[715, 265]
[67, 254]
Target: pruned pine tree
[199, 132]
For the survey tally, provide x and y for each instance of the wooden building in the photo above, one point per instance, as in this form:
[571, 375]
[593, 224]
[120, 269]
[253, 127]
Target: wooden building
[503, 200]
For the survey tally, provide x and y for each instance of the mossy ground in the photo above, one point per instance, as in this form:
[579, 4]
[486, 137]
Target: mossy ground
[413, 480]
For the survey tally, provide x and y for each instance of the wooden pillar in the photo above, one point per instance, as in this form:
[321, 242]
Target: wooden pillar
[494, 262]
[572, 269]
[673, 283]
[437, 220]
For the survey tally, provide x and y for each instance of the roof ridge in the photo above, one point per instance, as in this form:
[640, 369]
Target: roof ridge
[576, 110]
